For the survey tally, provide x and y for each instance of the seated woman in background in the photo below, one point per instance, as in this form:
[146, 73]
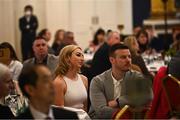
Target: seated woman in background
[46, 34]
[142, 39]
[136, 58]
[15, 98]
[98, 40]
[12, 61]
[68, 40]
[70, 86]
[58, 38]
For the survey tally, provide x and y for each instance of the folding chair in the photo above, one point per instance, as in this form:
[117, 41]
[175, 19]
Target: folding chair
[172, 89]
[123, 113]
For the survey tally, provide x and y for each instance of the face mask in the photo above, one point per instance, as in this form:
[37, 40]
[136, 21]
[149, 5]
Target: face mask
[28, 13]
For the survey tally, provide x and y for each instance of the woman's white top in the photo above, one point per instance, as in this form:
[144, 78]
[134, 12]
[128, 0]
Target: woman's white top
[76, 93]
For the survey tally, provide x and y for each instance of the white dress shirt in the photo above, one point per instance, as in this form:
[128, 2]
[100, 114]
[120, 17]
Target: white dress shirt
[117, 87]
[39, 115]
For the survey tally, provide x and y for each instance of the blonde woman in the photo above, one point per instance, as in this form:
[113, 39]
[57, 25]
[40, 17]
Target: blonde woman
[70, 86]
[132, 43]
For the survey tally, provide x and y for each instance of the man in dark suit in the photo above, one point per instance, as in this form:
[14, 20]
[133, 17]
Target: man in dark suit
[36, 84]
[100, 62]
[28, 25]
[6, 84]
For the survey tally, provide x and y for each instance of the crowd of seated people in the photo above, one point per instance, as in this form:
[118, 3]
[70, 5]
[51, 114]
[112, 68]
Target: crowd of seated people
[49, 82]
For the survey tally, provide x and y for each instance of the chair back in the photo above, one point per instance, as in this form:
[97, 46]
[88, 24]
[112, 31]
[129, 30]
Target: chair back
[172, 89]
[122, 113]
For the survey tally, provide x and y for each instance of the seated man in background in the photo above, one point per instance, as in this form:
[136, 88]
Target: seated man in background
[41, 55]
[118, 86]
[100, 62]
[36, 84]
[6, 84]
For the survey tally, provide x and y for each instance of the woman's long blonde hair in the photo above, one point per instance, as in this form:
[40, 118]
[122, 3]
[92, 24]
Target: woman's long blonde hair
[130, 41]
[64, 59]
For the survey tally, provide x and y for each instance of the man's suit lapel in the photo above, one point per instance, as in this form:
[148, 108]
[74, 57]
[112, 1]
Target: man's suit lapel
[48, 60]
[109, 85]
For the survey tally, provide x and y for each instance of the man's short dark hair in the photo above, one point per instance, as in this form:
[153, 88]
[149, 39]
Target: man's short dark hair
[28, 76]
[115, 47]
[39, 37]
[28, 7]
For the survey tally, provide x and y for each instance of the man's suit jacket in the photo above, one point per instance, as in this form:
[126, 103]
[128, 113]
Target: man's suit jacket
[135, 91]
[52, 62]
[100, 62]
[59, 113]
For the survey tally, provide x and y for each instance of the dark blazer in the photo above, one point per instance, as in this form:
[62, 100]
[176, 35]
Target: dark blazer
[27, 35]
[100, 62]
[33, 23]
[59, 113]
[5, 112]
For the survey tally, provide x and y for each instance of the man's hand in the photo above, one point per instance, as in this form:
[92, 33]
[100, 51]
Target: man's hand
[113, 104]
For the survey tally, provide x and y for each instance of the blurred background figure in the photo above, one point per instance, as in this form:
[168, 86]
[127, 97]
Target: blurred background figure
[58, 38]
[174, 64]
[70, 86]
[28, 25]
[175, 46]
[41, 56]
[136, 30]
[97, 42]
[6, 84]
[100, 61]
[46, 34]
[68, 40]
[136, 58]
[155, 44]
[11, 60]
[142, 38]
